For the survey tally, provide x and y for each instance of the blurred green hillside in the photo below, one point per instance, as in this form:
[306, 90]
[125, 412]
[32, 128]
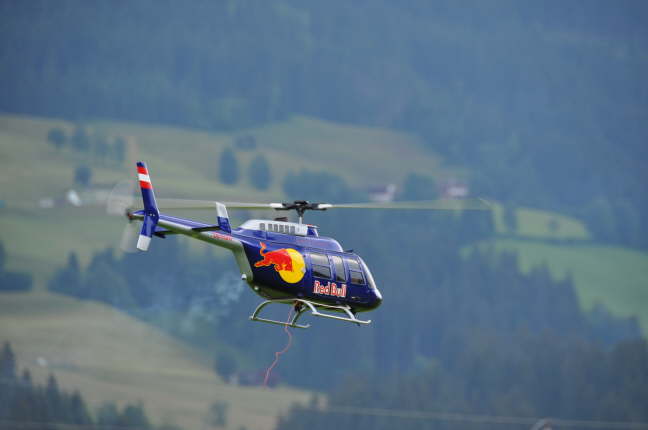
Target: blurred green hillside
[39, 240]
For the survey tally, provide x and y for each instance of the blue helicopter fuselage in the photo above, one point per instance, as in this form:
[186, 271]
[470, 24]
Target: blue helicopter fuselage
[281, 260]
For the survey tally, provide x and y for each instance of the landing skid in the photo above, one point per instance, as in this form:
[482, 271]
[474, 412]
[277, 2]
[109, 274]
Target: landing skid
[302, 306]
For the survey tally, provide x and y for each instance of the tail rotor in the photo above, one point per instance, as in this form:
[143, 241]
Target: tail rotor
[122, 202]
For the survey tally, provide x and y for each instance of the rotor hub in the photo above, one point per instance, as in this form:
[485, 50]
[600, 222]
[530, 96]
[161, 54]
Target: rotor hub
[300, 206]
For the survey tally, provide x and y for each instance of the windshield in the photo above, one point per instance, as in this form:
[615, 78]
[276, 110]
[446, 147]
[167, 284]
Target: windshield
[370, 279]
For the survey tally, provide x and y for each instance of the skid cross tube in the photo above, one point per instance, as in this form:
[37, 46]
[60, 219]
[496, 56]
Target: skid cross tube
[303, 305]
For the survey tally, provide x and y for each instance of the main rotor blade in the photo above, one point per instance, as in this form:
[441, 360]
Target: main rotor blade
[441, 204]
[211, 204]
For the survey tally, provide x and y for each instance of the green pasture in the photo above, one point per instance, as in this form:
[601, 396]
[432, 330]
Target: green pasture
[538, 224]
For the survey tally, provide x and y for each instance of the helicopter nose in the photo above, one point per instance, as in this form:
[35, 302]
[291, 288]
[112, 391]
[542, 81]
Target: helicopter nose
[377, 298]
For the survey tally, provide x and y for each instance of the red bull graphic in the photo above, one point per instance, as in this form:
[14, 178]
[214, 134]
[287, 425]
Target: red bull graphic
[288, 262]
[330, 289]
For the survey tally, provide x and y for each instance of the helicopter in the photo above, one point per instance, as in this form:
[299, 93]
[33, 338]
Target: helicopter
[283, 262]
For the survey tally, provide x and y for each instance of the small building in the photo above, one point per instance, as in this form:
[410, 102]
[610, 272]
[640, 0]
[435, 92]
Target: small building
[454, 189]
[382, 193]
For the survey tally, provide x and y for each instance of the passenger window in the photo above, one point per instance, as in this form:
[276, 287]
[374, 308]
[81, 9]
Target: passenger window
[321, 267]
[262, 226]
[340, 276]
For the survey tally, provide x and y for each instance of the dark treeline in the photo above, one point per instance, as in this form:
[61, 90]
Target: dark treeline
[25, 404]
[536, 378]
[544, 102]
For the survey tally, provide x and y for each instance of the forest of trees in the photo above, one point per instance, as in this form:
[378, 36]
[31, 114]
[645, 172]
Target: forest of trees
[544, 102]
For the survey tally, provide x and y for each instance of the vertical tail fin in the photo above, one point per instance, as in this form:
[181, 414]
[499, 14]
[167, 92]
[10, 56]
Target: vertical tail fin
[151, 213]
[223, 218]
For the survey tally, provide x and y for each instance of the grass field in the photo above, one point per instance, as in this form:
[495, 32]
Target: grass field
[613, 276]
[109, 356]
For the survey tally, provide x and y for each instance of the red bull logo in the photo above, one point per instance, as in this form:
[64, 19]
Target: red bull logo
[288, 262]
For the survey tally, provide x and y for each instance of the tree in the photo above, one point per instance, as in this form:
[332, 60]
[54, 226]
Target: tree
[101, 147]
[225, 365]
[15, 281]
[83, 175]
[419, 187]
[106, 285]
[259, 171]
[509, 218]
[228, 171]
[134, 416]
[7, 363]
[68, 279]
[80, 139]
[56, 137]
[217, 415]
[119, 149]
[107, 415]
[2, 257]
[77, 410]
[318, 186]
[54, 397]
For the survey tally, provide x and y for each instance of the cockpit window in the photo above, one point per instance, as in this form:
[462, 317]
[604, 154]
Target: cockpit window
[356, 277]
[321, 267]
[352, 263]
[370, 279]
[355, 271]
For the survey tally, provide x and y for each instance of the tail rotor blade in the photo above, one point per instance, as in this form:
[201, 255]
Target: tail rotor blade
[129, 238]
[122, 198]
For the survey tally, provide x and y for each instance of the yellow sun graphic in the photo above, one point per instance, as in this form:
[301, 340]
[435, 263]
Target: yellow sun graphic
[298, 268]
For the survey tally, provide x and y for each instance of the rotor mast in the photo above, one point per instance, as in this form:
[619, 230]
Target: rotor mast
[301, 206]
